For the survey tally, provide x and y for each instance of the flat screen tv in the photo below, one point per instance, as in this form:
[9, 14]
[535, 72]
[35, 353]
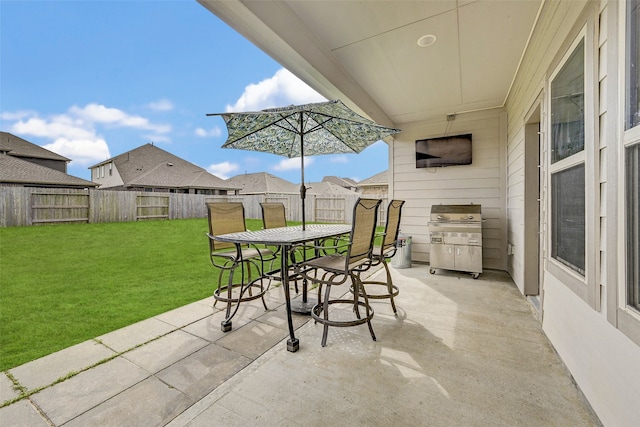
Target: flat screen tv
[443, 151]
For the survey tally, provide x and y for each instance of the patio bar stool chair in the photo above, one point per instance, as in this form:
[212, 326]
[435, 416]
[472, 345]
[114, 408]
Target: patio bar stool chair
[336, 268]
[274, 215]
[383, 253]
[234, 260]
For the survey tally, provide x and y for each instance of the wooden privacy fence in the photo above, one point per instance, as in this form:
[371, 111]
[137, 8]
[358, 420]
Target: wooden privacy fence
[20, 206]
[152, 207]
[59, 207]
[331, 209]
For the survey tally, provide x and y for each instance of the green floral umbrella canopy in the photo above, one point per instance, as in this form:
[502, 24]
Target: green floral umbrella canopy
[311, 129]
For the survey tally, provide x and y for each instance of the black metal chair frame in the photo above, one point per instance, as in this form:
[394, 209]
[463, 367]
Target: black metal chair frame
[348, 260]
[382, 254]
[228, 257]
[274, 216]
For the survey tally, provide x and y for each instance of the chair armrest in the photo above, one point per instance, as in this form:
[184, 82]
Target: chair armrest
[343, 243]
[320, 247]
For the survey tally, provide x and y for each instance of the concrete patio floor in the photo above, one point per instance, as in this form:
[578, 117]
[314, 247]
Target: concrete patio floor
[460, 352]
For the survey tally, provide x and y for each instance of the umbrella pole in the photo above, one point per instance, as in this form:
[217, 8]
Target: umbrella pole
[303, 189]
[302, 306]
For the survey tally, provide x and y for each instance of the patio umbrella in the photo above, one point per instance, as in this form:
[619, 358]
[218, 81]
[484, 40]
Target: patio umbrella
[303, 130]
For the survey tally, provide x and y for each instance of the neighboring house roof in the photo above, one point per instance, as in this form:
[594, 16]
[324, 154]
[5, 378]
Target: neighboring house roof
[19, 147]
[343, 182]
[150, 166]
[378, 179]
[17, 171]
[350, 181]
[328, 188]
[262, 183]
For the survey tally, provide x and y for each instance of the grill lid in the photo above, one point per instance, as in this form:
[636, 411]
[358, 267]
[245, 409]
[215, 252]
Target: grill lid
[457, 213]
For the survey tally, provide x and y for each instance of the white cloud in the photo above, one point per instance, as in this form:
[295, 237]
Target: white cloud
[161, 105]
[70, 139]
[94, 113]
[74, 135]
[17, 115]
[81, 151]
[281, 90]
[203, 133]
[291, 164]
[222, 170]
[57, 127]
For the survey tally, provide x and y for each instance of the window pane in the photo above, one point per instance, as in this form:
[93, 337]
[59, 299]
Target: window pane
[567, 217]
[633, 69]
[567, 107]
[633, 224]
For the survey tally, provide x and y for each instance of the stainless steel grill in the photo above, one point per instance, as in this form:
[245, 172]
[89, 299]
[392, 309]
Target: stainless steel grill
[456, 238]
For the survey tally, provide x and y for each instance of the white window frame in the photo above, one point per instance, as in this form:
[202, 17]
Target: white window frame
[628, 318]
[587, 286]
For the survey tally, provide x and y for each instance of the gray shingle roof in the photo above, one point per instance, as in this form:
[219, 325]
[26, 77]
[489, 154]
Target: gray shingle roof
[17, 171]
[19, 147]
[343, 182]
[150, 166]
[378, 179]
[328, 188]
[350, 181]
[262, 183]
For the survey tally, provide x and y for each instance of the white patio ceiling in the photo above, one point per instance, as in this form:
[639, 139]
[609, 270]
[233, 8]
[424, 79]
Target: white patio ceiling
[366, 52]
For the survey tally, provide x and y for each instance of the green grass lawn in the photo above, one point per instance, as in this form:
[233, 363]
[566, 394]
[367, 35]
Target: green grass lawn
[64, 284]
[61, 285]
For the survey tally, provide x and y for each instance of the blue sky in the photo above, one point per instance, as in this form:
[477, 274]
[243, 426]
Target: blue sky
[93, 79]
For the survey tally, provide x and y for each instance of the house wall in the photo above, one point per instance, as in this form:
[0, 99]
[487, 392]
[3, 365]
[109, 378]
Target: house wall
[374, 190]
[601, 358]
[58, 165]
[111, 176]
[482, 182]
[526, 90]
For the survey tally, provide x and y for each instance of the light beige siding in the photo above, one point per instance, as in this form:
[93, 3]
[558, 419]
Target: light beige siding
[516, 207]
[111, 176]
[544, 49]
[578, 327]
[482, 182]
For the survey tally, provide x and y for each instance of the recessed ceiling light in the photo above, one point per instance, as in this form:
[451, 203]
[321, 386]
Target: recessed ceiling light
[427, 40]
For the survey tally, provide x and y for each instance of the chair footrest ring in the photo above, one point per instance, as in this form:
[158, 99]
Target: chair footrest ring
[317, 310]
[246, 297]
[275, 275]
[394, 293]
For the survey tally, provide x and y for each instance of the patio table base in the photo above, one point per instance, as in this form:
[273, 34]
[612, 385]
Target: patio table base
[298, 305]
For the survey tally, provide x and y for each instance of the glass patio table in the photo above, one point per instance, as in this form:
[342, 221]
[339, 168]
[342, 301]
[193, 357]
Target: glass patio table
[286, 238]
